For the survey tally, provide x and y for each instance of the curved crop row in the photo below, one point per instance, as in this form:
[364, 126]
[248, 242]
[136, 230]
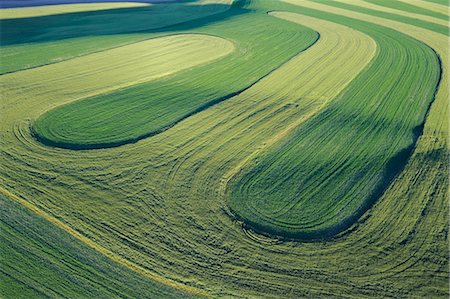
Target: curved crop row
[322, 178]
[128, 115]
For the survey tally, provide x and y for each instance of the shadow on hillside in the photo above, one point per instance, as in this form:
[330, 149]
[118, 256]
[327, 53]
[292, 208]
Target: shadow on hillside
[152, 19]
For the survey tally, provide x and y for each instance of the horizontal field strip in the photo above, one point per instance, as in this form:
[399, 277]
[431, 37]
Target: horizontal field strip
[377, 5]
[25, 45]
[437, 8]
[113, 69]
[29, 12]
[411, 8]
[386, 15]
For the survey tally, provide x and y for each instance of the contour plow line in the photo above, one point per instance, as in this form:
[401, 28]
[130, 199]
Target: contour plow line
[113, 256]
[142, 111]
[437, 118]
[322, 80]
[203, 191]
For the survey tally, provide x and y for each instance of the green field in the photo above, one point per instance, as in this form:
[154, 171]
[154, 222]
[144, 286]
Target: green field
[243, 149]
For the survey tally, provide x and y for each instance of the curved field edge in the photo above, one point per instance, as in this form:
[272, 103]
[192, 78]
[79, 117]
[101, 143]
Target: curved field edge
[352, 176]
[132, 114]
[66, 265]
[321, 81]
[144, 62]
[38, 11]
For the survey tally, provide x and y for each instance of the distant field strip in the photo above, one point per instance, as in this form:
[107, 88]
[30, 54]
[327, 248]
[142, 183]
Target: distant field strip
[385, 15]
[376, 5]
[25, 45]
[406, 7]
[442, 9]
[28, 12]
[314, 121]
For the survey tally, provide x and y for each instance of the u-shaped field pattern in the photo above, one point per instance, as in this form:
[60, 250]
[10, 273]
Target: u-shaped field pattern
[224, 149]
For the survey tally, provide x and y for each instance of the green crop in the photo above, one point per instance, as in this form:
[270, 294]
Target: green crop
[275, 149]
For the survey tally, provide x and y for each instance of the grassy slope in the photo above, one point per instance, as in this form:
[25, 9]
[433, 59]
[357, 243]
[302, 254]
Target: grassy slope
[164, 194]
[41, 260]
[121, 117]
[31, 42]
